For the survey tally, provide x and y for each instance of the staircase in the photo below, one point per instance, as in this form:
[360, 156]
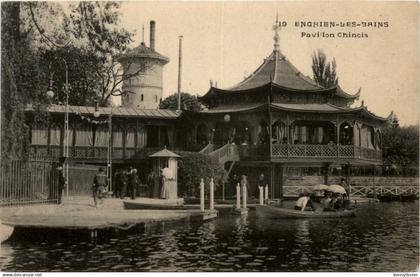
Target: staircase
[227, 153]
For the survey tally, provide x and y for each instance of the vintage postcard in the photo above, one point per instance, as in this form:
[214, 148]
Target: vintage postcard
[209, 136]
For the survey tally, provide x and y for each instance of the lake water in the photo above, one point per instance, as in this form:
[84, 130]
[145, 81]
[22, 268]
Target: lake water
[382, 237]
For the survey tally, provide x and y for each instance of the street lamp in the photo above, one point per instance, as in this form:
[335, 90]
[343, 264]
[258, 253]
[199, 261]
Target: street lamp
[50, 94]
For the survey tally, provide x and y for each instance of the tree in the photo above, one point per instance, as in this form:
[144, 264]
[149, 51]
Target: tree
[192, 167]
[324, 72]
[400, 146]
[188, 102]
[21, 82]
[91, 27]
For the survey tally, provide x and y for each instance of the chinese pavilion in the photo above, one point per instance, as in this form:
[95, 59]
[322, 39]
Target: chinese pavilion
[278, 118]
[275, 120]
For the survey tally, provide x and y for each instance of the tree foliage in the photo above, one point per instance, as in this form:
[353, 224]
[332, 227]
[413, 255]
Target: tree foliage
[400, 145]
[188, 102]
[21, 82]
[324, 72]
[192, 167]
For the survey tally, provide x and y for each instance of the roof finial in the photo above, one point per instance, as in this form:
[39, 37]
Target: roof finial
[142, 40]
[276, 29]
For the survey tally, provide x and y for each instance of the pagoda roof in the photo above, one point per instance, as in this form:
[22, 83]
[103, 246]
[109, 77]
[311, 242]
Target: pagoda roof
[142, 51]
[279, 72]
[115, 111]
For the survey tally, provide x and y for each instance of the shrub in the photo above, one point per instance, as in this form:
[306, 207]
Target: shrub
[192, 167]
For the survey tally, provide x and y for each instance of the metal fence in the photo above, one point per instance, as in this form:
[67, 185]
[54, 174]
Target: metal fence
[28, 182]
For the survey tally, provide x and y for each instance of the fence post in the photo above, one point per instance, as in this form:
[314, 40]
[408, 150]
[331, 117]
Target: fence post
[202, 195]
[244, 196]
[238, 196]
[211, 194]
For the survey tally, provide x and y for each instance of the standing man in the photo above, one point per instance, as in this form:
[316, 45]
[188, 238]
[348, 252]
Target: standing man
[132, 183]
[123, 183]
[151, 180]
[260, 183]
[61, 183]
[99, 184]
[117, 182]
[232, 186]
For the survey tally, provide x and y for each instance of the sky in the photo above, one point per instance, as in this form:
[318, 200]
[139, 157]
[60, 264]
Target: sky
[227, 41]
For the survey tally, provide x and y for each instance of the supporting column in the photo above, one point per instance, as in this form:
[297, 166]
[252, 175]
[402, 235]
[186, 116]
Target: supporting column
[280, 180]
[261, 195]
[244, 196]
[272, 180]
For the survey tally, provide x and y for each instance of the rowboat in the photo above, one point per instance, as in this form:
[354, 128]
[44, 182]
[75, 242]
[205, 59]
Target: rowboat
[133, 205]
[277, 212]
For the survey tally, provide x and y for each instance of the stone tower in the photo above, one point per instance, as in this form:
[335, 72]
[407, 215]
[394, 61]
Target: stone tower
[144, 90]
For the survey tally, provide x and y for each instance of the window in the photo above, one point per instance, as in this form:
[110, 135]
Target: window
[142, 67]
[142, 97]
[156, 98]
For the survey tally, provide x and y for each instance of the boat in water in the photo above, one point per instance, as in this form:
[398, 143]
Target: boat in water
[278, 212]
[155, 204]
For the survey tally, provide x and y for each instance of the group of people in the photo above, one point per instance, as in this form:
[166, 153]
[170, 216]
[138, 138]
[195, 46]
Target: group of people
[126, 182]
[323, 200]
[243, 180]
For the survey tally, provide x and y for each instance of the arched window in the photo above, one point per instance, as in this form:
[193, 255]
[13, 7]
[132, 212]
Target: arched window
[346, 134]
[156, 98]
[142, 97]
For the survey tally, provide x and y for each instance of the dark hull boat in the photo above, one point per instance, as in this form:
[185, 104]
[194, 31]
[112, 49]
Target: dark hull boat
[132, 205]
[277, 212]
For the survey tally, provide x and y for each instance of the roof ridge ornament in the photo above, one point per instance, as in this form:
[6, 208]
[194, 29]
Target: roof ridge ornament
[276, 28]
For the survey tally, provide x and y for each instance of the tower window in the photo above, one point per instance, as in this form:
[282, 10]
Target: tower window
[142, 97]
[156, 98]
[142, 67]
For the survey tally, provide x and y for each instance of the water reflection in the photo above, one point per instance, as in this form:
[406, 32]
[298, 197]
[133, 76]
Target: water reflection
[382, 237]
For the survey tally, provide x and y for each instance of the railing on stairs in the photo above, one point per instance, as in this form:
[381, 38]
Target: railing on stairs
[207, 149]
[226, 153]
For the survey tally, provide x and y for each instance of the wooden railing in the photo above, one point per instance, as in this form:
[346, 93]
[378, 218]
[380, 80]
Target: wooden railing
[324, 151]
[208, 149]
[359, 191]
[82, 152]
[228, 152]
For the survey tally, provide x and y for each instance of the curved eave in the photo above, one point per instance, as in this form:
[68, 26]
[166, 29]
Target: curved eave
[224, 110]
[337, 110]
[341, 93]
[213, 92]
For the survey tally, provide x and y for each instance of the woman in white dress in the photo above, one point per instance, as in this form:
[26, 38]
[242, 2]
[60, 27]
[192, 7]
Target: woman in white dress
[165, 184]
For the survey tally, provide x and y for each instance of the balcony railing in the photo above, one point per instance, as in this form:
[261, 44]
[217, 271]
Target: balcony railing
[324, 151]
[83, 152]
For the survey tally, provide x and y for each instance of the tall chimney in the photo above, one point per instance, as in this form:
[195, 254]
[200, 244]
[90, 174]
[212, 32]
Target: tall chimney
[152, 34]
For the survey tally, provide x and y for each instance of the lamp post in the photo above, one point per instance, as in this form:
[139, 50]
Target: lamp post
[50, 94]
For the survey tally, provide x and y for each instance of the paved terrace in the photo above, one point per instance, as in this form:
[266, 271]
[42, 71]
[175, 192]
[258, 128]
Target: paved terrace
[79, 213]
